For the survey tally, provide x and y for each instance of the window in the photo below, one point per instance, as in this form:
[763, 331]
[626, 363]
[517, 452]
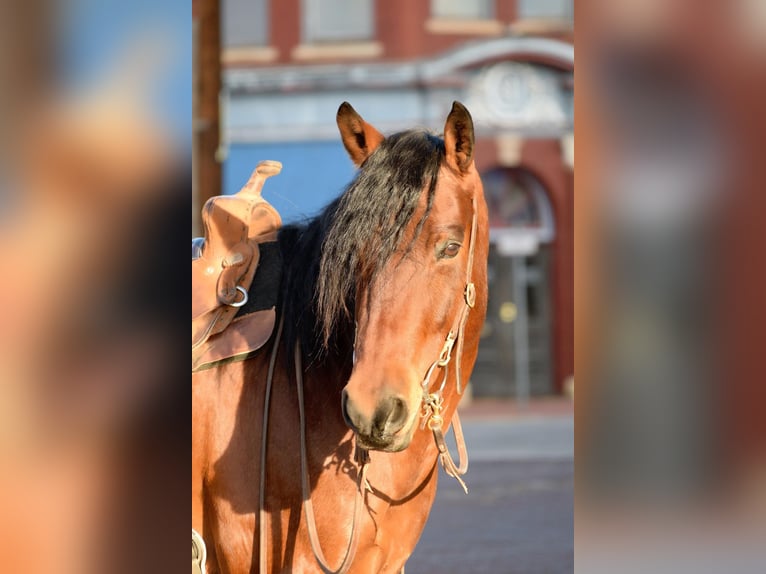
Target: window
[329, 20]
[475, 10]
[244, 23]
[545, 9]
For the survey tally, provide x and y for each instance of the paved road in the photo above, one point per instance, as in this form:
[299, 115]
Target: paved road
[518, 515]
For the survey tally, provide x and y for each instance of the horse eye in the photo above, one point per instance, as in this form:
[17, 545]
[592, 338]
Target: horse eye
[451, 250]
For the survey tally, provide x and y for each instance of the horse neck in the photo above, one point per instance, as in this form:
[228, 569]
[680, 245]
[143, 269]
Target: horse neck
[328, 373]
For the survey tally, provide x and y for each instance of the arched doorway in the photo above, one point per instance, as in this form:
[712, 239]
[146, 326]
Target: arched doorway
[515, 355]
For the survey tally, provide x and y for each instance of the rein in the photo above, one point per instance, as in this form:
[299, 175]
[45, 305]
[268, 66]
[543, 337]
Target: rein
[361, 456]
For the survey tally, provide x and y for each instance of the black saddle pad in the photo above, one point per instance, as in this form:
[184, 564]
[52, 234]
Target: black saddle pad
[264, 291]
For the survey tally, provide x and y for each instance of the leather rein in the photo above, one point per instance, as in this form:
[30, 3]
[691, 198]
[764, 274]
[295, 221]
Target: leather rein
[432, 405]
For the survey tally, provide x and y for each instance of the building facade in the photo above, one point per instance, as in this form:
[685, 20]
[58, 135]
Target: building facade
[288, 65]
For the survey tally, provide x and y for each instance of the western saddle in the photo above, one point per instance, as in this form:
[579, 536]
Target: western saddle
[238, 230]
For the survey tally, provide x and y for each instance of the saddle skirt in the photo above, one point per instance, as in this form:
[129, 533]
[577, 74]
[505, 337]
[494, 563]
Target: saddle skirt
[238, 231]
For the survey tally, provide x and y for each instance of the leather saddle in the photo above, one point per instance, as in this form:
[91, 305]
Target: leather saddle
[238, 229]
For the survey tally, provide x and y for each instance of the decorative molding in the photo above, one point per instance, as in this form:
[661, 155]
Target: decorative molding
[283, 103]
[467, 27]
[532, 26]
[506, 47]
[392, 75]
[518, 96]
[350, 50]
[248, 55]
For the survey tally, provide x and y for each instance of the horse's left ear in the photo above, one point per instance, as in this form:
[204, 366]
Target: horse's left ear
[458, 138]
[359, 138]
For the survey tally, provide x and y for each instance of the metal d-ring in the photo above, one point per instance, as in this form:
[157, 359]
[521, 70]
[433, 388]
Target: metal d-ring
[237, 304]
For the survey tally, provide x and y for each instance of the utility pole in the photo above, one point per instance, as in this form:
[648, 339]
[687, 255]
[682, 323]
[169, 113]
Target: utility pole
[207, 87]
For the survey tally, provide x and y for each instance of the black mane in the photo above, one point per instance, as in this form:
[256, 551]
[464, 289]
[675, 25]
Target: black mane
[351, 239]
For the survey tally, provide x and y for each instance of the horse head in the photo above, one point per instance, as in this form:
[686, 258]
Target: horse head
[419, 272]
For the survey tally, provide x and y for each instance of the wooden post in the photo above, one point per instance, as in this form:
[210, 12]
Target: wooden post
[207, 87]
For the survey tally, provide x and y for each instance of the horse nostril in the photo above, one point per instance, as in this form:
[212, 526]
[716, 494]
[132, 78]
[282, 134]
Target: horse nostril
[391, 416]
[347, 416]
[398, 414]
[377, 429]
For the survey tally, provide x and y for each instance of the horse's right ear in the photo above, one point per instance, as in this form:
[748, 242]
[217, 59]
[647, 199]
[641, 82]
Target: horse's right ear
[359, 138]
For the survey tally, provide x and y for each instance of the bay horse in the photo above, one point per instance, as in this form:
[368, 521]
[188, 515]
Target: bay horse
[319, 452]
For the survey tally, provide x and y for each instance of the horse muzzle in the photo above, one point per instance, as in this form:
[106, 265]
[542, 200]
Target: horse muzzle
[385, 428]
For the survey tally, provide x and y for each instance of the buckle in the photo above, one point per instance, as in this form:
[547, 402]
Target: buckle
[470, 294]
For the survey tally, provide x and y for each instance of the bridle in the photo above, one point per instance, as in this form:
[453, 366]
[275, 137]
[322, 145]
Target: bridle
[432, 405]
[433, 402]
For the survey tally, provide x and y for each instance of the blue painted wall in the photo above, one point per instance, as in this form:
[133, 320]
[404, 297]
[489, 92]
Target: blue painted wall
[313, 174]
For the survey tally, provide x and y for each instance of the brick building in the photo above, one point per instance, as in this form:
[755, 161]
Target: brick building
[287, 65]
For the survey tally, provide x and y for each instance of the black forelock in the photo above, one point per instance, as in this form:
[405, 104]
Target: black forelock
[344, 247]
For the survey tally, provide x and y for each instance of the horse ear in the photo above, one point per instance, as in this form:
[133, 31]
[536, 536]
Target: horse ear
[458, 138]
[359, 138]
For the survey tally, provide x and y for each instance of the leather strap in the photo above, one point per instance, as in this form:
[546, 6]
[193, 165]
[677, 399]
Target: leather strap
[469, 297]
[308, 508]
[445, 457]
[262, 514]
[432, 401]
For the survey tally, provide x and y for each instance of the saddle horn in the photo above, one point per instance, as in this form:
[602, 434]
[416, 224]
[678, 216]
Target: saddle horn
[263, 171]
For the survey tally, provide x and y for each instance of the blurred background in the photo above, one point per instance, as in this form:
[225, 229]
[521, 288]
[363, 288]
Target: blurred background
[95, 157]
[669, 284]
